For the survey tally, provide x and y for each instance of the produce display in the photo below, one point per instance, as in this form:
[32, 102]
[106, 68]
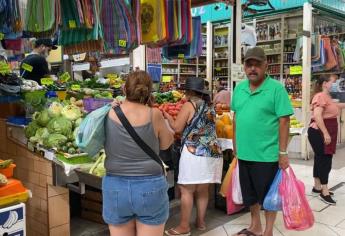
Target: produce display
[98, 168]
[221, 108]
[224, 128]
[171, 97]
[54, 127]
[294, 123]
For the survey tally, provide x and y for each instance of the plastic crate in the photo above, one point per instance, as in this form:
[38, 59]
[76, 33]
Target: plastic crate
[91, 104]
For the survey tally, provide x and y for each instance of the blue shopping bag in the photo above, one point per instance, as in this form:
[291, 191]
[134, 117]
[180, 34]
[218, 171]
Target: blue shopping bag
[273, 200]
[91, 134]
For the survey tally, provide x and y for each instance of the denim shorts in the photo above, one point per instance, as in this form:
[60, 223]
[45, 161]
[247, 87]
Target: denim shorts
[144, 198]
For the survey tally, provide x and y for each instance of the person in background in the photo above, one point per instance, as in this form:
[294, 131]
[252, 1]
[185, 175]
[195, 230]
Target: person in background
[135, 199]
[38, 67]
[262, 110]
[322, 135]
[222, 97]
[201, 159]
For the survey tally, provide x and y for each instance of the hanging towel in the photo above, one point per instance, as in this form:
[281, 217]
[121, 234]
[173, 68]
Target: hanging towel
[331, 60]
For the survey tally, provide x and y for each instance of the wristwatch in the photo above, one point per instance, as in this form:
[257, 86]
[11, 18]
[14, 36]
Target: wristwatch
[283, 153]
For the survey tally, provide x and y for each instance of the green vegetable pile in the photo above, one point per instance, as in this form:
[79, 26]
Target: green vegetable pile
[54, 128]
[98, 168]
[161, 98]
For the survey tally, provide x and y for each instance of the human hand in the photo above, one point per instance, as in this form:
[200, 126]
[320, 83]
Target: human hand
[283, 162]
[116, 103]
[327, 138]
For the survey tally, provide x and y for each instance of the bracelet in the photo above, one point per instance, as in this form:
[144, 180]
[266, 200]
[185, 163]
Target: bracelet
[283, 153]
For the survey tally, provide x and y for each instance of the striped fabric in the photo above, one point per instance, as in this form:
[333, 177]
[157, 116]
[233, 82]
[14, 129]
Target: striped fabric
[40, 17]
[10, 19]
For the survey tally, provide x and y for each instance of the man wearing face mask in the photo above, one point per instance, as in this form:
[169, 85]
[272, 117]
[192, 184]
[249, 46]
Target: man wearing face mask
[261, 126]
[35, 65]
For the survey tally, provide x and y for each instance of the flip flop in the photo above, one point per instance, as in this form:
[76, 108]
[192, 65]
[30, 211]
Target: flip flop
[247, 233]
[200, 228]
[173, 232]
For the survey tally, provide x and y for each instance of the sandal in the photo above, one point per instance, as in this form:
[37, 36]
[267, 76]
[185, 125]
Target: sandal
[247, 233]
[173, 232]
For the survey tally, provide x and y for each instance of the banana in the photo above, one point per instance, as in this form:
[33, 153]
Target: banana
[8, 221]
[15, 215]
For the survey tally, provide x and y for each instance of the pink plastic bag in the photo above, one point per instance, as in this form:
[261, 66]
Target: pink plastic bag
[296, 210]
[236, 186]
[231, 206]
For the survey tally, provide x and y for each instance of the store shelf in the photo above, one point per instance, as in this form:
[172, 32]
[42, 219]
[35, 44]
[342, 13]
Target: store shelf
[291, 38]
[273, 74]
[224, 46]
[169, 64]
[220, 59]
[272, 54]
[221, 77]
[273, 64]
[292, 63]
[189, 73]
[221, 67]
[169, 73]
[269, 41]
[187, 64]
[289, 52]
[202, 65]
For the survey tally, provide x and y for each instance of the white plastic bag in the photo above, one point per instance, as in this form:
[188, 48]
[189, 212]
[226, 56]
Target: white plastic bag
[236, 186]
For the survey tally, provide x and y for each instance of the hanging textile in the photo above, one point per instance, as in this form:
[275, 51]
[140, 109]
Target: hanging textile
[118, 24]
[42, 18]
[152, 21]
[191, 50]
[10, 19]
[331, 60]
[81, 29]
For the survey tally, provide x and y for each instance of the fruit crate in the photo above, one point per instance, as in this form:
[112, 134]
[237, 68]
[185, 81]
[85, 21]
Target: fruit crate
[91, 104]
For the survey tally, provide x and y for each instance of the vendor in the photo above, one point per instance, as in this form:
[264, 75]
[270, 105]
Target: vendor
[35, 65]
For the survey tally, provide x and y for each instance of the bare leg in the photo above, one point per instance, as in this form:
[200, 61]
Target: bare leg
[149, 230]
[317, 184]
[270, 219]
[187, 197]
[325, 190]
[255, 225]
[125, 229]
[201, 204]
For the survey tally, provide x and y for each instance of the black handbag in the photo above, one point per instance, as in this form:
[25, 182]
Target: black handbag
[146, 148]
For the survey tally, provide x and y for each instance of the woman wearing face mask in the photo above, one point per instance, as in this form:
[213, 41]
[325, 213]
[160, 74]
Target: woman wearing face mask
[322, 135]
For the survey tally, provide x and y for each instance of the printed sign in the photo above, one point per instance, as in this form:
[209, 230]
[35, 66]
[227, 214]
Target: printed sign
[122, 43]
[296, 70]
[65, 77]
[47, 81]
[72, 24]
[27, 67]
[75, 87]
[181, 55]
[4, 68]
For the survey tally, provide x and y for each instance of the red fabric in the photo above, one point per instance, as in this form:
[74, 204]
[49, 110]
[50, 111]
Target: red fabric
[13, 44]
[332, 128]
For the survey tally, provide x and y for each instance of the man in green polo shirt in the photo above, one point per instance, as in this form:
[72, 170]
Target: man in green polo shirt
[261, 125]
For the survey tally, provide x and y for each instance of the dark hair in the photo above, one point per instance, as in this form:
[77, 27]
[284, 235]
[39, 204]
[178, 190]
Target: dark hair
[138, 87]
[206, 83]
[317, 87]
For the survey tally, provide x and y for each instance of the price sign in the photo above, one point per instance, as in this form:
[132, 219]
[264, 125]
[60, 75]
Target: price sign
[181, 55]
[122, 43]
[75, 87]
[65, 77]
[47, 81]
[72, 24]
[2, 36]
[4, 68]
[27, 67]
[167, 79]
[218, 69]
[296, 70]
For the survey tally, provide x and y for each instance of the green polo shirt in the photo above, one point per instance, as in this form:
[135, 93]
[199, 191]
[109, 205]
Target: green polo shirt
[257, 119]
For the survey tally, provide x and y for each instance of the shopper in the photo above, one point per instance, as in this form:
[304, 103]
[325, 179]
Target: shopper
[261, 125]
[322, 135]
[222, 97]
[135, 200]
[35, 65]
[201, 158]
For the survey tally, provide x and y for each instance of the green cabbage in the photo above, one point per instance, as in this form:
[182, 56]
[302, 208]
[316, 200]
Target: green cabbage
[55, 109]
[55, 141]
[31, 129]
[60, 125]
[71, 112]
[42, 118]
